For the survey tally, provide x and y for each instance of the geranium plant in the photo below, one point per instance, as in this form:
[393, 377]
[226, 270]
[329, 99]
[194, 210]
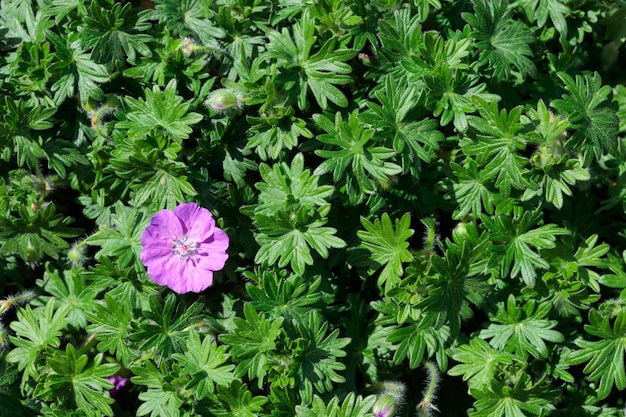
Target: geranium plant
[338, 208]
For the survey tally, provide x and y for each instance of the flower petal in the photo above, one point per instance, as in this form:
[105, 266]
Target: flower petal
[156, 249]
[164, 226]
[211, 254]
[160, 269]
[189, 278]
[198, 221]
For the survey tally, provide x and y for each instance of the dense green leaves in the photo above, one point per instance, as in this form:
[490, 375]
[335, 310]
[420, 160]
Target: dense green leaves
[115, 34]
[352, 406]
[110, 323]
[605, 357]
[388, 246]
[162, 112]
[301, 70]
[291, 216]
[504, 42]
[253, 343]
[204, 362]
[81, 382]
[75, 70]
[34, 331]
[36, 233]
[513, 241]
[478, 362]
[409, 187]
[352, 156]
[122, 238]
[594, 120]
[519, 333]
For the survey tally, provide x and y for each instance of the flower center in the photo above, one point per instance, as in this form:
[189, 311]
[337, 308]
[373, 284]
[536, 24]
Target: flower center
[183, 248]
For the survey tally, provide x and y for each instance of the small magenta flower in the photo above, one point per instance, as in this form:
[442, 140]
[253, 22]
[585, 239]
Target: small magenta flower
[118, 383]
[182, 249]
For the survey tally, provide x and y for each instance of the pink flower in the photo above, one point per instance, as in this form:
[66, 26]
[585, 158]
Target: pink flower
[182, 249]
[118, 383]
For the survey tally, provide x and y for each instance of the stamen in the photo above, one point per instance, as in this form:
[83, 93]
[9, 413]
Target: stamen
[183, 248]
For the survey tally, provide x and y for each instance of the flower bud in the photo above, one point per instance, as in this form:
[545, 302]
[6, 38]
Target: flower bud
[390, 398]
[4, 337]
[32, 254]
[460, 231]
[223, 100]
[385, 406]
[76, 254]
[15, 300]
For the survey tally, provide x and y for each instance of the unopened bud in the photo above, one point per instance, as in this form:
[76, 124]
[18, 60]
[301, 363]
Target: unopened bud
[223, 100]
[76, 254]
[15, 300]
[32, 254]
[385, 406]
[4, 337]
[390, 398]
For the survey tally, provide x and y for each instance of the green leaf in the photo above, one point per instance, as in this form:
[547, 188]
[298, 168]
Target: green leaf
[87, 384]
[189, 18]
[162, 112]
[35, 330]
[75, 70]
[23, 23]
[415, 140]
[17, 121]
[115, 33]
[356, 161]
[289, 238]
[605, 357]
[388, 247]
[451, 287]
[513, 242]
[523, 334]
[479, 362]
[496, 148]
[110, 323]
[273, 134]
[539, 10]
[504, 43]
[166, 188]
[204, 362]
[553, 177]
[317, 361]
[62, 154]
[166, 327]
[301, 70]
[351, 406]
[160, 398]
[71, 293]
[291, 215]
[290, 187]
[253, 343]
[284, 295]
[501, 400]
[122, 238]
[417, 342]
[238, 401]
[591, 113]
[471, 190]
[36, 233]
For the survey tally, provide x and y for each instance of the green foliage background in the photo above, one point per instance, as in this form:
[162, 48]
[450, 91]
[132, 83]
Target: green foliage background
[419, 191]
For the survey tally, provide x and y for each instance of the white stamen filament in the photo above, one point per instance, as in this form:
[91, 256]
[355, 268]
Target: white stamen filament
[183, 248]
